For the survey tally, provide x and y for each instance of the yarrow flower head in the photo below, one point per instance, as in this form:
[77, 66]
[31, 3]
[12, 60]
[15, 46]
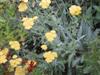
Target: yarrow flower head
[3, 59]
[15, 61]
[50, 56]
[22, 7]
[29, 22]
[50, 36]
[44, 47]
[14, 56]
[75, 10]
[4, 51]
[3, 55]
[14, 45]
[45, 3]
[20, 70]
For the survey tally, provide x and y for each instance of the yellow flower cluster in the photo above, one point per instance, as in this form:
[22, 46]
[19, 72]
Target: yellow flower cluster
[20, 70]
[44, 47]
[75, 10]
[14, 45]
[22, 6]
[50, 56]
[45, 3]
[50, 36]
[15, 61]
[3, 55]
[29, 22]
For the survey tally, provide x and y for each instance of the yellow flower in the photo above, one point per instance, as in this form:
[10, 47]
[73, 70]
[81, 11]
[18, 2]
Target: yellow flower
[24, 0]
[48, 60]
[50, 56]
[22, 7]
[5, 51]
[15, 62]
[3, 59]
[14, 45]
[3, 55]
[44, 47]
[50, 36]
[29, 22]
[20, 70]
[45, 3]
[14, 56]
[75, 10]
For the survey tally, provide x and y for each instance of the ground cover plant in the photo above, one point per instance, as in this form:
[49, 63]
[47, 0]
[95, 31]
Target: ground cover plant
[49, 37]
